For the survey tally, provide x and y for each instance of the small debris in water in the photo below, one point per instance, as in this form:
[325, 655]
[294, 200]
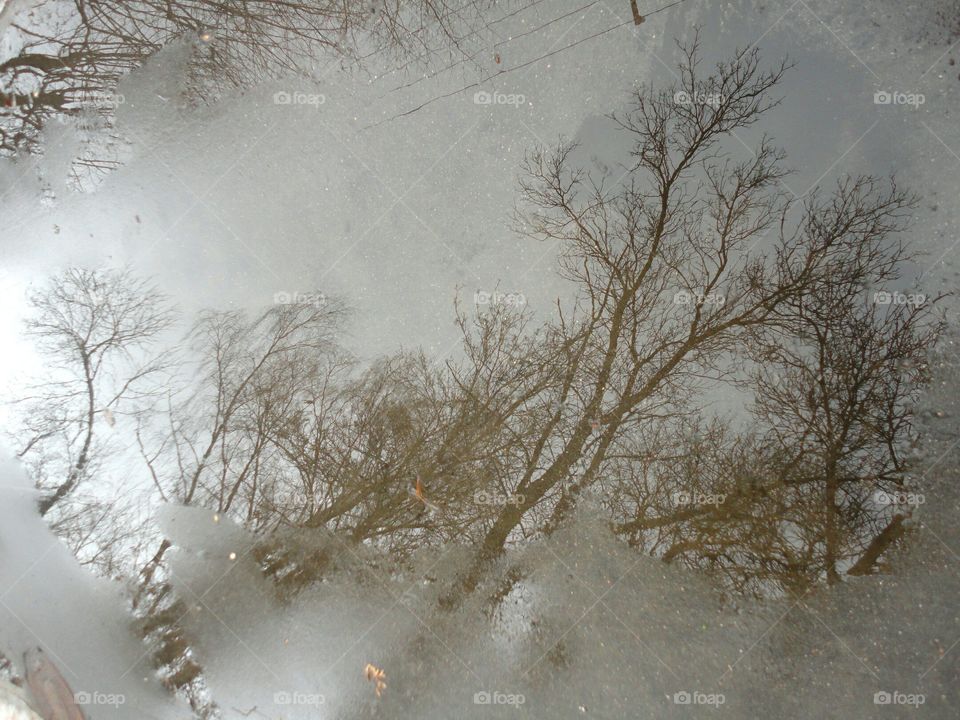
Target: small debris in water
[377, 676]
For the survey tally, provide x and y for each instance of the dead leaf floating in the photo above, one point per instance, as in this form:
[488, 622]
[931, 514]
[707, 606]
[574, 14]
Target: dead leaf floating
[377, 676]
[418, 494]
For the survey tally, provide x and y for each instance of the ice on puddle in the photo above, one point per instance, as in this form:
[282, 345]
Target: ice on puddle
[81, 622]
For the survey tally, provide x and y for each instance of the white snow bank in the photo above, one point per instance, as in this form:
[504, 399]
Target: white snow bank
[591, 630]
[48, 601]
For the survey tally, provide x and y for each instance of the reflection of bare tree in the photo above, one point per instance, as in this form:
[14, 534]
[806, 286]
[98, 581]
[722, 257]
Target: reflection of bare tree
[677, 273]
[686, 266]
[73, 69]
[688, 276]
[836, 391]
[681, 270]
[93, 326]
[89, 323]
[253, 372]
[804, 495]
